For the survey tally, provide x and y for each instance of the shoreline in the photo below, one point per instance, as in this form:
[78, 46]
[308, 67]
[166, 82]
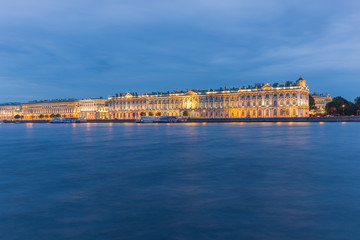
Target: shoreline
[217, 120]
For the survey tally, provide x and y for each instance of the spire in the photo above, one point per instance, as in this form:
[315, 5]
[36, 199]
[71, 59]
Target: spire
[300, 78]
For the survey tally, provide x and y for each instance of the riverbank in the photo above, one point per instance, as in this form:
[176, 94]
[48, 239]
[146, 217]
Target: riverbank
[221, 120]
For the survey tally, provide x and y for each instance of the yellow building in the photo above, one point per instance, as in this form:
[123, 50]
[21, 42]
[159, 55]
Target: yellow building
[320, 102]
[9, 111]
[49, 109]
[93, 109]
[259, 101]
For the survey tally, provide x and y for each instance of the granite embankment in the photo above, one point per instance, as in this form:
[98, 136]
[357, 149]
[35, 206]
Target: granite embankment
[307, 119]
[223, 120]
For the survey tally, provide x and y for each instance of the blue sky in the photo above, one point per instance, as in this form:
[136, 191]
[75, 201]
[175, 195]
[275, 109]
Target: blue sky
[62, 49]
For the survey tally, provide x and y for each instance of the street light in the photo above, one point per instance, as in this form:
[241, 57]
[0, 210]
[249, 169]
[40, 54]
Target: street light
[343, 106]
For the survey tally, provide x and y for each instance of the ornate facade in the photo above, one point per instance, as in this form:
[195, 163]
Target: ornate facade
[47, 109]
[93, 109]
[9, 111]
[259, 101]
[320, 102]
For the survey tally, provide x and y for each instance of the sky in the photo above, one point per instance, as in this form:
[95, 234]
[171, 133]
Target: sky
[85, 48]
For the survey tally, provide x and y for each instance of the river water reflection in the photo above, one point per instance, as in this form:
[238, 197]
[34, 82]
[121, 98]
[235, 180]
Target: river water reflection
[180, 181]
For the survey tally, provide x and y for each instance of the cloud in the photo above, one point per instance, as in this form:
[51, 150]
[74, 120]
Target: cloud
[94, 47]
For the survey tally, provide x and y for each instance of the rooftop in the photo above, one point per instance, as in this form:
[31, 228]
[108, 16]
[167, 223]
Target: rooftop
[256, 86]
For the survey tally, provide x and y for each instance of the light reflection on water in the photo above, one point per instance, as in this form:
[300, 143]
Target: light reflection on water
[180, 181]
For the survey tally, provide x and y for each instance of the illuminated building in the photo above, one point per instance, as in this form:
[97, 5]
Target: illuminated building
[93, 109]
[9, 111]
[47, 109]
[320, 102]
[259, 101]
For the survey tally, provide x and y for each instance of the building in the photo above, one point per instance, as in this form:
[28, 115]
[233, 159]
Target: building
[9, 111]
[51, 108]
[320, 102]
[93, 109]
[259, 101]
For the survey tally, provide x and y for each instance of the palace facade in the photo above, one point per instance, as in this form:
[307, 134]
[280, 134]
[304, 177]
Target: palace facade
[49, 109]
[259, 101]
[93, 109]
[8, 111]
[320, 102]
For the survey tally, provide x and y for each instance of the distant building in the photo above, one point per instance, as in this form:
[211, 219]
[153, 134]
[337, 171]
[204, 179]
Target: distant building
[320, 102]
[93, 109]
[47, 109]
[9, 111]
[259, 101]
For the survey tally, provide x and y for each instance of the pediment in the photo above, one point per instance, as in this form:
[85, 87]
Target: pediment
[191, 93]
[267, 87]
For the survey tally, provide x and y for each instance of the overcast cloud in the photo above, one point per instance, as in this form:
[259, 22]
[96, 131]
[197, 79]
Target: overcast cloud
[61, 49]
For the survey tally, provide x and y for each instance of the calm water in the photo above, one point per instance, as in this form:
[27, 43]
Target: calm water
[180, 181]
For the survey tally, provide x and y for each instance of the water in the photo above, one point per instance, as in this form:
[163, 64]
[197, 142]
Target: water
[180, 181]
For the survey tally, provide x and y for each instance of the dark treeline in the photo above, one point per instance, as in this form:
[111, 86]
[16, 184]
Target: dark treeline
[343, 107]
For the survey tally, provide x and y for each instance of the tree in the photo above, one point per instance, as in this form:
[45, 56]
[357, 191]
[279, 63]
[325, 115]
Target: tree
[186, 113]
[58, 115]
[330, 108]
[151, 114]
[158, 114]
[32, 117]
[17, 116]
[41, 116]
[142, 114]
[52, 115]
[357, 105]
[341, 106]
[312, 104]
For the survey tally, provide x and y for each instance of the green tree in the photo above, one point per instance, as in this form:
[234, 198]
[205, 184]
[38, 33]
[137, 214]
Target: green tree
[158, 114]
[151, 114]
[186, 113]
[58, 115]
[142, 114]
[312, 104]
[41, 116]
[357, 105]
[331, 109]
[341, 106]
[52, 115]
[17, 116]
